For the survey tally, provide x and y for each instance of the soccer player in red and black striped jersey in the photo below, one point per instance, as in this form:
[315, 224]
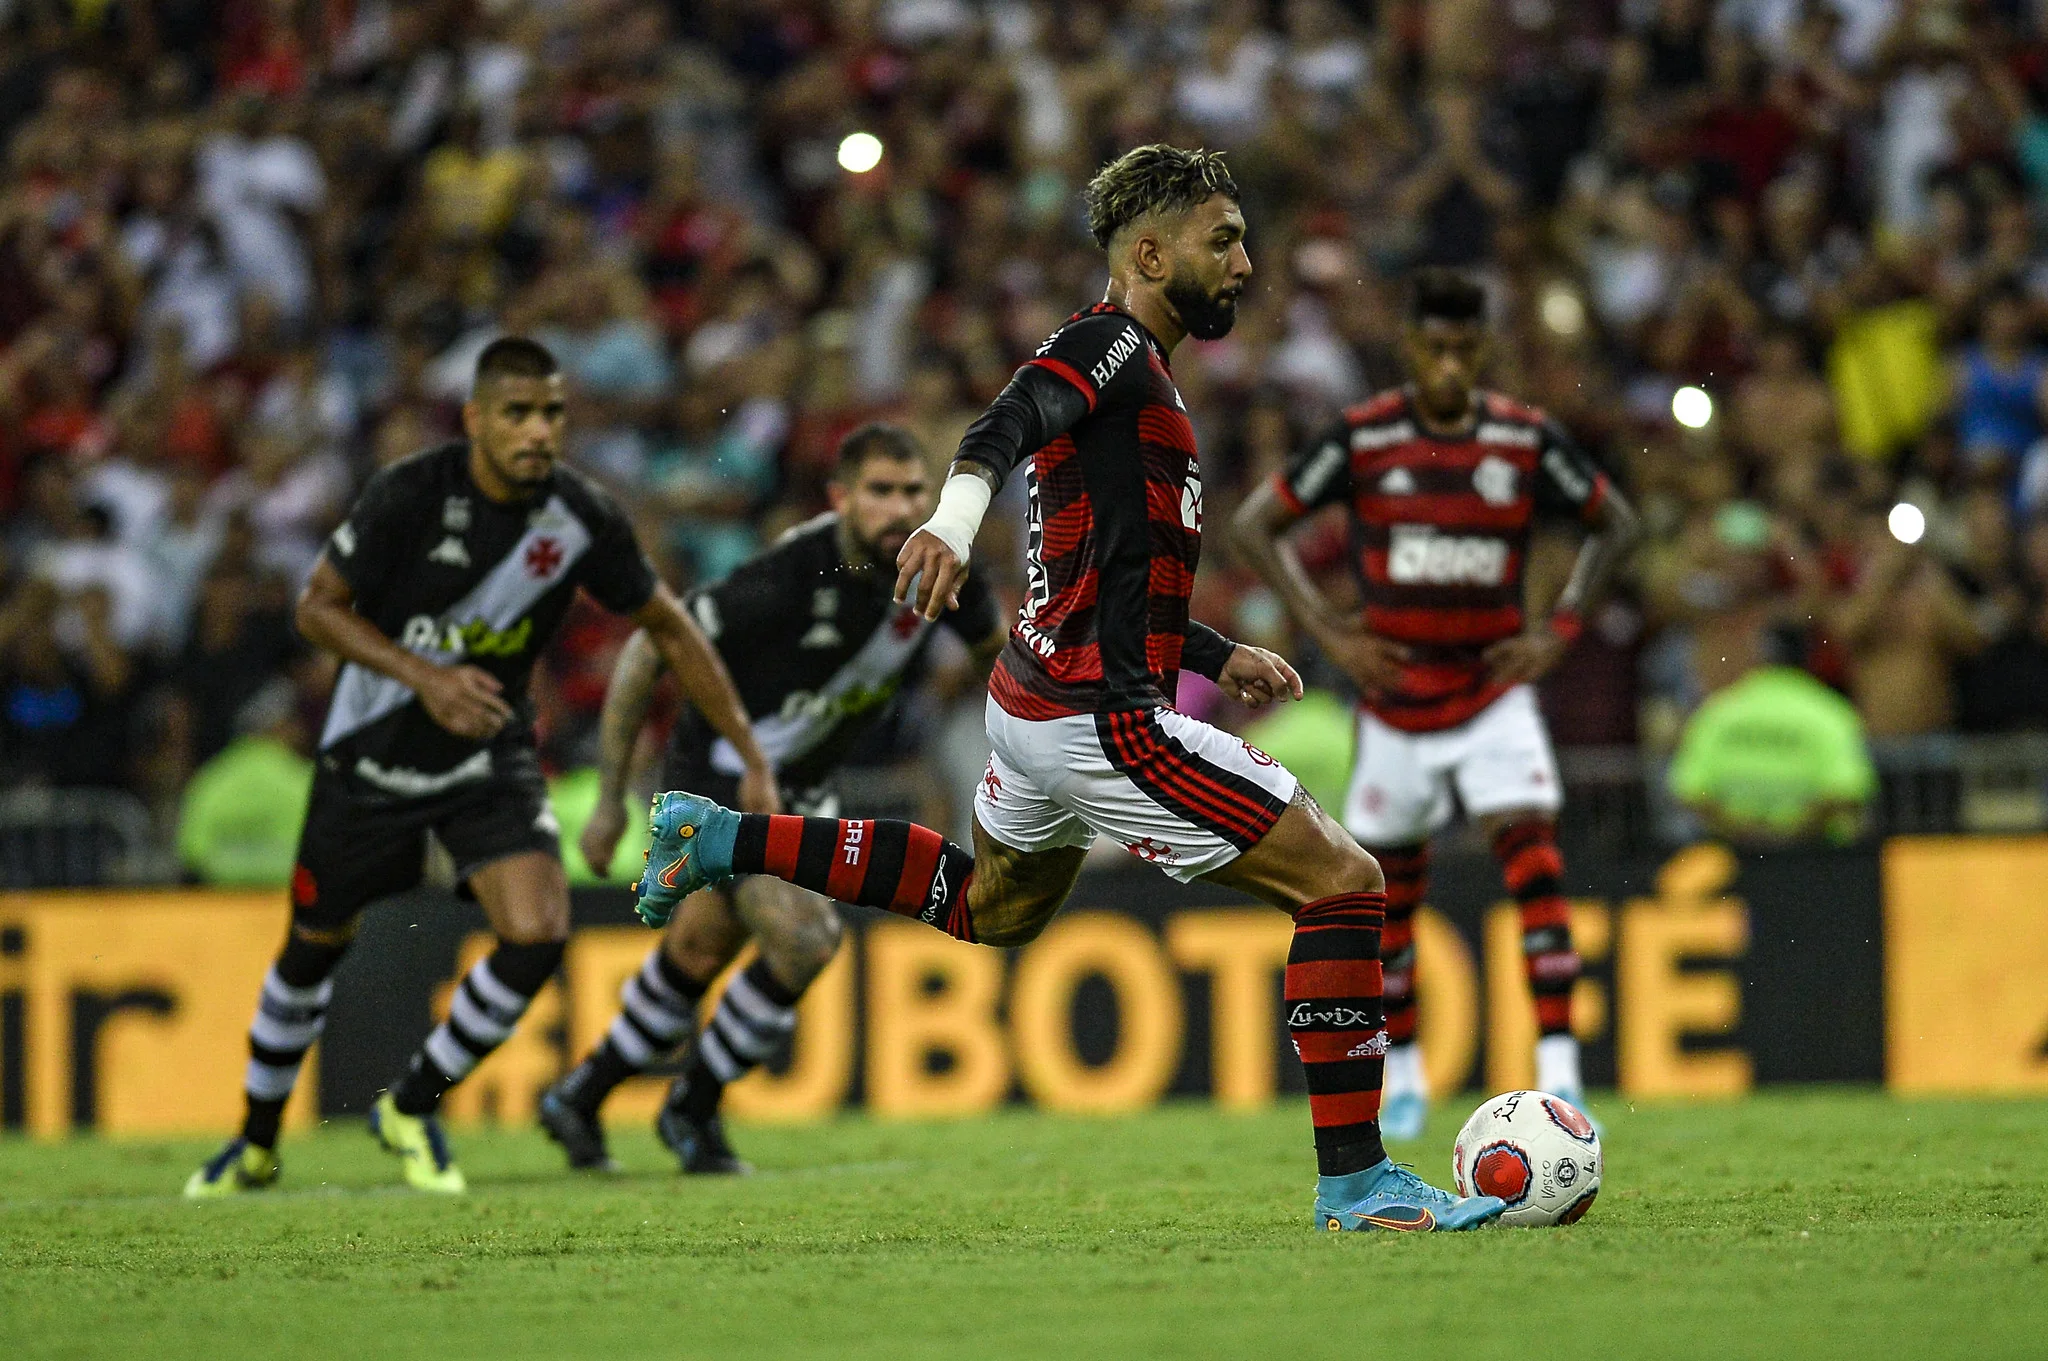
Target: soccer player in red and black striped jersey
[1444, 480]
[1080, 716]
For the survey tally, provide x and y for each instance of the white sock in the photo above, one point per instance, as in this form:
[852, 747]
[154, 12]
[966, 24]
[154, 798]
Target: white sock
[1557, 1066]
[1404, 1072]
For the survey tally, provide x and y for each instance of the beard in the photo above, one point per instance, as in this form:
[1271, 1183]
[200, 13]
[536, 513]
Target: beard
[1206, 315]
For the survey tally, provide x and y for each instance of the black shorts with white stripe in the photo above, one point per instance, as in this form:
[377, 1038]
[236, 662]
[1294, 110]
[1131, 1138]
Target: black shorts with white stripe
[355, 850]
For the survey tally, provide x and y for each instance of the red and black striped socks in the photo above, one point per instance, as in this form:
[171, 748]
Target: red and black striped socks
[1534, 869]
[1407, 871]
[901, 866]
[1333, 1014]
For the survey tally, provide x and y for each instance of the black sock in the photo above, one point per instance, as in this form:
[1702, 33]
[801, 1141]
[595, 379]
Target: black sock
[900, 866]
[488, 1003]
[754, 1018]
[658, 1004]
[291, 1011]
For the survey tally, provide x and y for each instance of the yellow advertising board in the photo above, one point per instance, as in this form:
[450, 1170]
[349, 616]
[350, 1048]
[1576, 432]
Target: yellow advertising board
[135, 1006]
[1966, 964]
[130, 1009]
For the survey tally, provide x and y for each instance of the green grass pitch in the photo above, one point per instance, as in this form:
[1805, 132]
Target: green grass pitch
[1812, 1223]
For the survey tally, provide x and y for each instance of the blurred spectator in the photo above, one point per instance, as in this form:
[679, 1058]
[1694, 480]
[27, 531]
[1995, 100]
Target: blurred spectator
[1776, 756]
[63, 708]
[238, 823]
[2001, 385]
[1905, 625]
[248, 253]
[240, 639]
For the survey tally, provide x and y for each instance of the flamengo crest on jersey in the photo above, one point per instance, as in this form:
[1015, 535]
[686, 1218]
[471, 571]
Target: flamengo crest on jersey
[497, 603]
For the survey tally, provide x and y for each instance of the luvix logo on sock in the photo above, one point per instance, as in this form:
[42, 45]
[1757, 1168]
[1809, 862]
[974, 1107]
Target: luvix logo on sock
[1306, 1016]
[935, 905]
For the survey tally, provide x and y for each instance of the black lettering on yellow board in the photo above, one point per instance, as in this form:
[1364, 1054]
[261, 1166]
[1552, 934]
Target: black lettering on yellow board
[128, 1012]
[132, 1010]
[13, 1030]
[89, 1012]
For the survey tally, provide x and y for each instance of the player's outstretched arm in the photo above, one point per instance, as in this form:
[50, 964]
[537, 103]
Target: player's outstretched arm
[466, 700]
[1258, 534]
[709, 687]
[626, 700]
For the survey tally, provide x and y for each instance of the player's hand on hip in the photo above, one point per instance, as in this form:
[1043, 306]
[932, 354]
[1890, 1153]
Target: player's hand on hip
[930, 565]
[1254, 677]
[1524, 657]
[758, 791]
[600, 839]
[1374, 663]
[466, 700]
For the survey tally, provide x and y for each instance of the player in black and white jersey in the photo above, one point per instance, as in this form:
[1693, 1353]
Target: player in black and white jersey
[441, 588]
[818, 649]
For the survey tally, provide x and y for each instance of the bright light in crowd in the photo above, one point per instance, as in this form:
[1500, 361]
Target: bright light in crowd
[1562, 311]
[1906, 522]
[1692, 408]
[860, 152]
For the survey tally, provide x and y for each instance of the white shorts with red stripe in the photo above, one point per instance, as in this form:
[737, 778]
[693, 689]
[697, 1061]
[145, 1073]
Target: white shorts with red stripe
[1172, 790]
[1499, 761]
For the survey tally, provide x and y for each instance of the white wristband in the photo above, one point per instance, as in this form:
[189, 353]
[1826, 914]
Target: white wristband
[962, 503]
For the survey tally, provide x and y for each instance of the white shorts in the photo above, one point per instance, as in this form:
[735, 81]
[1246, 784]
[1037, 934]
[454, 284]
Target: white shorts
[1170, 789]
[1499, 760]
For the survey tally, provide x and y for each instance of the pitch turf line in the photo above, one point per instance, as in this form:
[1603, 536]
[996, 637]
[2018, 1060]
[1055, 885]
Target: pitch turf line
[1803, 1224]
[327, 1192]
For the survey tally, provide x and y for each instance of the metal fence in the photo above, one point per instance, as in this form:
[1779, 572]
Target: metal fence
[1614, 805]
[71, 838]
[1937, 785]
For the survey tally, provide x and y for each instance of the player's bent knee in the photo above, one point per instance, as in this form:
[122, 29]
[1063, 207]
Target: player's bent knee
[1352, 868]
[700, 957]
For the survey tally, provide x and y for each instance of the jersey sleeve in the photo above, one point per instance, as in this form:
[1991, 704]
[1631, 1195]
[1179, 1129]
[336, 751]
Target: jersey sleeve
[374, 537]
[742, 611]
[1568, 481]
[1084, 361]
[1319, 474]
[615, 572]
[975, 619]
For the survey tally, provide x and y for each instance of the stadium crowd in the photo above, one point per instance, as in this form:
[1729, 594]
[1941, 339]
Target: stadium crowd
[250, 249]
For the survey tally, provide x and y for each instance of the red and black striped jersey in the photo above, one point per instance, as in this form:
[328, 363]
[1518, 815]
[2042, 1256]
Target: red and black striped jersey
[1115, 525]
[1440, 532]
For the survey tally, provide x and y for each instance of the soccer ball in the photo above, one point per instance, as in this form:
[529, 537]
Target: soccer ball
[1536, 1152]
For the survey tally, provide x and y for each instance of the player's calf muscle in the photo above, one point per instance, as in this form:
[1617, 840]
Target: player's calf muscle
[705, 935]
[1015, 893]
[798, 932]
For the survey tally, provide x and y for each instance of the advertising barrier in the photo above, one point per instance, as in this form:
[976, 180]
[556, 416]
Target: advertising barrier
[1925, 963]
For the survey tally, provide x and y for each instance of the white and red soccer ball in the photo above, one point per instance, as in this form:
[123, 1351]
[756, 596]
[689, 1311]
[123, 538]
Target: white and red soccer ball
[1536, 1152]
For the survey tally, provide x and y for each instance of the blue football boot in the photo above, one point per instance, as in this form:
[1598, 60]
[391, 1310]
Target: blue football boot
[1389, 1196]
[692, 848]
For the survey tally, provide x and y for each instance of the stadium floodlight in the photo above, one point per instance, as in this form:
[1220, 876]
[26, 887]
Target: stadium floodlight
[1691, 407]
[860, 152]
[1907, 522]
